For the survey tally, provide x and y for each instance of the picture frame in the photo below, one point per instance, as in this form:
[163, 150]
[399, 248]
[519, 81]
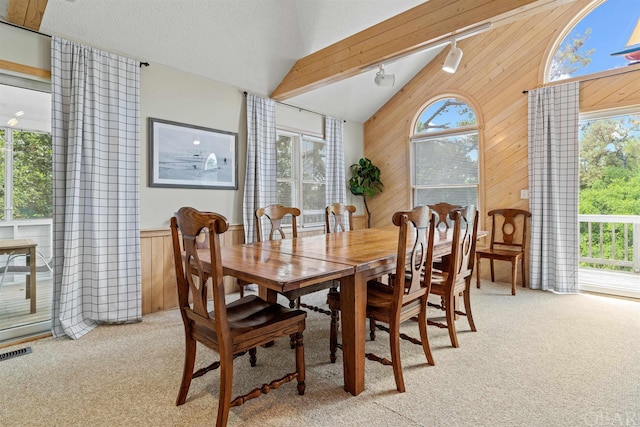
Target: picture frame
[189, 156]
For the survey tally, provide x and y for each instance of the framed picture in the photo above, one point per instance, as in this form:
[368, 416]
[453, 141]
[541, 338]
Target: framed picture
[189, 156]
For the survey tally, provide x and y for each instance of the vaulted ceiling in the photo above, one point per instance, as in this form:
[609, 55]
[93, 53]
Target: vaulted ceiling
[321, 55]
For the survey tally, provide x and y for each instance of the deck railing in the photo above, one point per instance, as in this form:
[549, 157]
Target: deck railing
[610, 242]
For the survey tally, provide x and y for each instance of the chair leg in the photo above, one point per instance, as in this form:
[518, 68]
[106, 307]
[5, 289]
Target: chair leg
[467, 308]
[478, 272]
[524, 279]
[253, 359]
[493, 276]
[394, 344]
[451, 321]
[333, 335]
[372, 329]
[226, 382]
[422, 326]
[300, 367]
[241, 289]
[187, 371]
[514, 275]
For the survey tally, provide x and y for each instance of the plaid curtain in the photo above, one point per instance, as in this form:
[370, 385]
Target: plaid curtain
[553, 187]
[336, 184]
[96, 161]
[260, 181]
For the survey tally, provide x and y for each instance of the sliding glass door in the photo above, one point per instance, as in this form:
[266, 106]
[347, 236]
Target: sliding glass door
[26, 206]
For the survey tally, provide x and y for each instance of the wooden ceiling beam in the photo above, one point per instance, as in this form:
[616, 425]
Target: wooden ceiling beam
[400, 35]
[26, 13]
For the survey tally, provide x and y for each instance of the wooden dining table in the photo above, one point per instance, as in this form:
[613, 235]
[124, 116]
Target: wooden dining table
[351, 257]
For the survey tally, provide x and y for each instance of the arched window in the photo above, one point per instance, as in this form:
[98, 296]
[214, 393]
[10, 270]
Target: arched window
[444, 154]
[605, 38]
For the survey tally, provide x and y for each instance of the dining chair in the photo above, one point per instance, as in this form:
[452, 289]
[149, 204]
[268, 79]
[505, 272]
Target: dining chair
[274, 215]
[508, 243]
[231, 329]
[456, 281]
[269, 222]
[443, 210]
[334, 216]
[406, 295]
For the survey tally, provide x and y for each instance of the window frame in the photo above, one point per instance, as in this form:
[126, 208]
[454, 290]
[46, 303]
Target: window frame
[297, 174]
[458, 131]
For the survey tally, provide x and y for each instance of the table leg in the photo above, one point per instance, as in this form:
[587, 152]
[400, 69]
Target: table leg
[267, 294]
[353, 307]
[31, 278]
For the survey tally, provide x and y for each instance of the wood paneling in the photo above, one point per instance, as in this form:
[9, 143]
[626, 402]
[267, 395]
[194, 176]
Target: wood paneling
[496, 67]
[26, 13]
[158, 271]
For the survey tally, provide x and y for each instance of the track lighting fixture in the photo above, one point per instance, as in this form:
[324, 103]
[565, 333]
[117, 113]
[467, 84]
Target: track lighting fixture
[453, 59]
[383, 79]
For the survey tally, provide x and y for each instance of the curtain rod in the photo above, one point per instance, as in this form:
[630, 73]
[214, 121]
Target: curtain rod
[11, 24]
[299, 108]
[587, 79]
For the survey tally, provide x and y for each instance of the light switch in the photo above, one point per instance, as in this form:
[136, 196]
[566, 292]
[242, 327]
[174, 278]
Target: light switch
[524, 194]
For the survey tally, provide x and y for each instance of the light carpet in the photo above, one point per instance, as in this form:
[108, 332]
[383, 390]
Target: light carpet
[538, 359]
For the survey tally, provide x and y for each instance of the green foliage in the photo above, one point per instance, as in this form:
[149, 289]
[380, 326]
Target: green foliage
[32, 175]
[365, 181]
[570, 57]
[609, 185]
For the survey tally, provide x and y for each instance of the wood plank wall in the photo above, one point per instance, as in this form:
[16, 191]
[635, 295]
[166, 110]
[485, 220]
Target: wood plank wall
[496, 67]
[158, 274]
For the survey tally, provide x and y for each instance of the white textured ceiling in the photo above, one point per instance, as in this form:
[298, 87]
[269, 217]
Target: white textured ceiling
[250, 44]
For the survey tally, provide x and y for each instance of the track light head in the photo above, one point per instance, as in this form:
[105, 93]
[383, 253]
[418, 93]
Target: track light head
[453, 59]
[383, 79]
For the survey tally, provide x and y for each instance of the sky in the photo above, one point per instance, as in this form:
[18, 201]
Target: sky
[611, 26]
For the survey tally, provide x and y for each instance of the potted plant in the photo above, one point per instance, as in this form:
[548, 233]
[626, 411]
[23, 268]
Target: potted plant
[365, 182]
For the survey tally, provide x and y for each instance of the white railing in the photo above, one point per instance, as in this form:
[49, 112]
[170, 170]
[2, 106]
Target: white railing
[612, 240]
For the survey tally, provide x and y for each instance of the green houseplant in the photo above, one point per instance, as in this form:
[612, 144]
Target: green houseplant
[365, 182]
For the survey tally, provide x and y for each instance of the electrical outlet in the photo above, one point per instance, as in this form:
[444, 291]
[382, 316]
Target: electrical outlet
[524, 194]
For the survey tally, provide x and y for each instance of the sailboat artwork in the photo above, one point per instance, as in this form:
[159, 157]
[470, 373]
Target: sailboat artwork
[632, 51]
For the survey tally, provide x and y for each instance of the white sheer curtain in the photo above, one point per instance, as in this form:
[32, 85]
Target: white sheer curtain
[96, 160]
[553, 187]
[336, 184]
[260, 181]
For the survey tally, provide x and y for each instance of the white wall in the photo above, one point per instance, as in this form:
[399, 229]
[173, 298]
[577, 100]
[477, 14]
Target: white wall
[25, 48]
[169, 94]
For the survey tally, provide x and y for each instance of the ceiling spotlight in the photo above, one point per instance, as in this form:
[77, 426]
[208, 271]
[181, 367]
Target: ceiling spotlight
[196, 141]
[453, 59]
[19, 113]
[383, 79]
[12, 122]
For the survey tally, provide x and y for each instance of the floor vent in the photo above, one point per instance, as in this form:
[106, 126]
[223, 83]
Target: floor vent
[15, 353]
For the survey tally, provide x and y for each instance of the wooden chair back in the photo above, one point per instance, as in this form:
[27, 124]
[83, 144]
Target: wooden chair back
[415, 251]
[464, 252]
[443, 211]
[275, 215]
[334, 217]
[192, 281]
[509, 229]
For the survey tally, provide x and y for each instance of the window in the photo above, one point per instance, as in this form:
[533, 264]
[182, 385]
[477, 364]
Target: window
[444, 154]
[605, 38]
[301, 175]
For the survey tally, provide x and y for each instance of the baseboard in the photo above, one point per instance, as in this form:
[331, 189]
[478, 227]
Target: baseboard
[610, 290]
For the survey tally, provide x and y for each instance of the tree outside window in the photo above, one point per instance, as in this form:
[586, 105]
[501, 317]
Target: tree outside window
[301, 175]
[445, 134]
